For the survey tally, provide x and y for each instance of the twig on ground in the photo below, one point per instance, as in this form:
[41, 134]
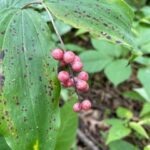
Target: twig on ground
[86, 141]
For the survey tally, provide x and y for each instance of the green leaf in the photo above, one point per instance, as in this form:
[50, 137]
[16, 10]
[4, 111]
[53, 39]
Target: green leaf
[118, 71]
[94, 61]
[15, 3]
[61, 27]
[119, 145]
[137, 3]
[109, 49]
[142, 93]
[117, 131]
[145, 121]
[143, 60]
[124, 113]
[69, 124]
[74, 47]
[134, 96]
[30, 110]
[144, 77]
[147, 147]
[109, 19]
[3, 144]
[139, 129]
[145, 110]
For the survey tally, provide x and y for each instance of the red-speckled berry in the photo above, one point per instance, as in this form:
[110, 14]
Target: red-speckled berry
[77, 107]
[77, 58]
[86, 105]
[81, 85]
[57, 54]
[63, 76]
[69, 57]
[77, 66]
[83, 76]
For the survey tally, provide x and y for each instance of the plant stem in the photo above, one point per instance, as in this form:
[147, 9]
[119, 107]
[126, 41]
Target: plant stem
[63, 46]
[55, 28]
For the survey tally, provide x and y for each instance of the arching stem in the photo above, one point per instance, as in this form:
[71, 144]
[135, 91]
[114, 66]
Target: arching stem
[63, 46]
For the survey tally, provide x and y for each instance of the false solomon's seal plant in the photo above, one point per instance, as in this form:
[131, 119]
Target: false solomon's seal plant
[29, 96]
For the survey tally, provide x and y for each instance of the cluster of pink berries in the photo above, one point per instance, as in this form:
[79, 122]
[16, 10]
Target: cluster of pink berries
[79, 82]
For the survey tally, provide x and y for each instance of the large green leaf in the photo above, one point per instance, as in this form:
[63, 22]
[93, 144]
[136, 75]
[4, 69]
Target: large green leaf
[139, 129]
[143, 94]
[68, 128]
[29, 102]
[109, 49]
[147, 147]
[124, 113]
[3, 144]
[144, 77]
[118, 71]
[146, 110]
[117, 131]
[111, 19]
[120, 144]
[15, 3]
[94, 61]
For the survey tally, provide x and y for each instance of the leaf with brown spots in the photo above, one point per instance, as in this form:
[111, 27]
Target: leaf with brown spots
[109, 19]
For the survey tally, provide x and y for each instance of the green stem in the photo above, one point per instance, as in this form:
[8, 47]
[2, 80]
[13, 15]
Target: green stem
[55, 28]
[63, 46]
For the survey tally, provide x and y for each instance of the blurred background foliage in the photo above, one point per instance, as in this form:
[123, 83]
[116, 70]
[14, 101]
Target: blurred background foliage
[125, 126]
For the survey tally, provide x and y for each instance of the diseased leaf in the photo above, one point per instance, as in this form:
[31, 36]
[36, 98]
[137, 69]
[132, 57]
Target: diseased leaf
[110, 19]
[29, 102]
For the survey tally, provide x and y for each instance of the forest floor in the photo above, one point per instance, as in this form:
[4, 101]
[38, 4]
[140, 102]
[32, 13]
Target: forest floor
[105, 99]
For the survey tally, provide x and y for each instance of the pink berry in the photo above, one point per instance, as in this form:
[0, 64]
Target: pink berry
[86, 89]
[86, 105]
[77, 66]
[81, 85]
[83, 76]
[69, 57]
[77, 107]
[63, 76]
[69, 83]
[57, 54]
[77, 58]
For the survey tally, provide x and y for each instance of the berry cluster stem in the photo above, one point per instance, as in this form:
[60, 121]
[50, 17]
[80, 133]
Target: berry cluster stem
[63, 46]
[54, 26]
[75, 87]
